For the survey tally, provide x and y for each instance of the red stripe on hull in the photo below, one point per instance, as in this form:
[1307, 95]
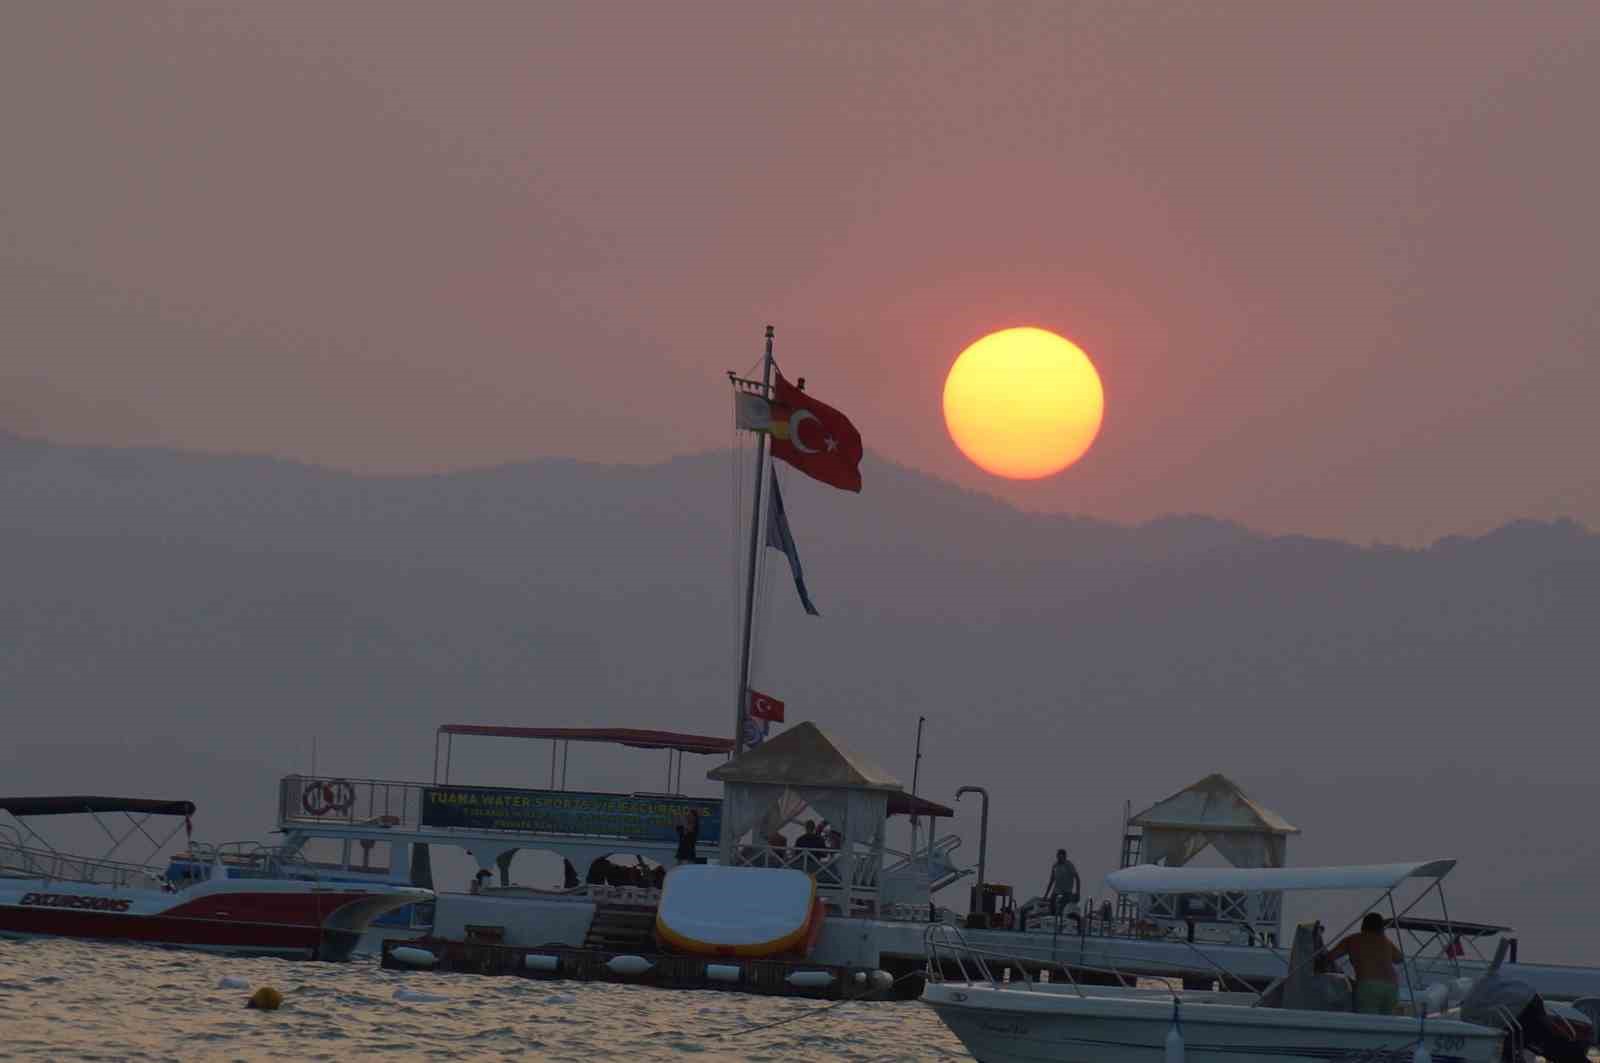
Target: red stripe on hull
[283, 939]
[292, 909]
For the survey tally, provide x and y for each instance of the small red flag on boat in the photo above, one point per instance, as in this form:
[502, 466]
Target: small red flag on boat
[815, 438]
[764, 707]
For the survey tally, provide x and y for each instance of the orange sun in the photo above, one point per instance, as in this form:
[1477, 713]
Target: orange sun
[1023, 403]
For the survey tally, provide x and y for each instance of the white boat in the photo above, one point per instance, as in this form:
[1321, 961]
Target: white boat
[251, 908]
[1005, 1021]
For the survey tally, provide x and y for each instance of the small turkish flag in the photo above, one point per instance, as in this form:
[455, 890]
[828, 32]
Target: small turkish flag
[766, 708]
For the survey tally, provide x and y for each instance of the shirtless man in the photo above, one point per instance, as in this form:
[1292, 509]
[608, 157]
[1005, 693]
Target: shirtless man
[1373, 956]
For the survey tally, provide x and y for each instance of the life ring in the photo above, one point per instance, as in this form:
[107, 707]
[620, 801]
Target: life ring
[321, 798]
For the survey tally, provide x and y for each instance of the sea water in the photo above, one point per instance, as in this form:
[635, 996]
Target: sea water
[62, 999]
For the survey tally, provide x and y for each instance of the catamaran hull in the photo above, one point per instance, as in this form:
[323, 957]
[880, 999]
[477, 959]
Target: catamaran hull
[1018, 1026]
[288, 919]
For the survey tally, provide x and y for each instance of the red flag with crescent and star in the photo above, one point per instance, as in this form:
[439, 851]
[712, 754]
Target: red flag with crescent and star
[765, 707]
[815, 438]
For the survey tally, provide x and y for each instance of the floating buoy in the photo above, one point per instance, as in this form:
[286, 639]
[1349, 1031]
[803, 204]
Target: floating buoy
[411, 996]
[534, 961]
[628, 964]
[724, 972]
[414, 957]
[233, 981]
[810, 979]
[1174, 1051]
[266, 999]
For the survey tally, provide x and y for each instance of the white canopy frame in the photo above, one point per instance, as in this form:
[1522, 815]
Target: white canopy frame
[1387, 878]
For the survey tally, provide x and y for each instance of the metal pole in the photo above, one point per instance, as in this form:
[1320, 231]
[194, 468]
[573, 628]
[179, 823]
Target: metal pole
[983, 838]
[750, 563]
[916, 767]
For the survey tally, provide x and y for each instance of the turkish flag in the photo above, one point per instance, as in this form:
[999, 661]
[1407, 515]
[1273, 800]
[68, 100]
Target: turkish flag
[815, 438]
[766, 708]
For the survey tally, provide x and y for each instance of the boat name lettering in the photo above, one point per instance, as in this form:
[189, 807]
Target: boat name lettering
[1012, 1027]
[566, 812]
[73, 900]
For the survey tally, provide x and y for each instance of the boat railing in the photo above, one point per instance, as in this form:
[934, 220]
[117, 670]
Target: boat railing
[246, 859]
[25, 861]
[828, 866]
[322, 800]
[944, 942]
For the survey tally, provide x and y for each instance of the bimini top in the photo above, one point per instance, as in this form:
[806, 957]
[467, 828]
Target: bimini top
[622, 736]
[77, 806]
[1150, 878]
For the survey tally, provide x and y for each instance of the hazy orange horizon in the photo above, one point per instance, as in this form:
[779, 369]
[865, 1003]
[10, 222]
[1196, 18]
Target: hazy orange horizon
[1333, 261]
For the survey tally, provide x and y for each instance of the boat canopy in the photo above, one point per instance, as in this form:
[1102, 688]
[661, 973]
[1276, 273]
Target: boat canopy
[622, 736]
[1448, 926]
[1150, 878]
[912, 805]
[77, 806]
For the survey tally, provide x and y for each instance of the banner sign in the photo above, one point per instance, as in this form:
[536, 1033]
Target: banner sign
[639, 817]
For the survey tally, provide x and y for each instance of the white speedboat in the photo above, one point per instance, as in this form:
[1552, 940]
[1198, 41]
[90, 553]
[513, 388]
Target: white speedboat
[1031, 1021]
[1304, 1016]
[258, 910]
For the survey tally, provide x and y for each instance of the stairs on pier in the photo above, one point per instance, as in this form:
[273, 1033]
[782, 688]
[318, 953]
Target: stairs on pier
[622, 928]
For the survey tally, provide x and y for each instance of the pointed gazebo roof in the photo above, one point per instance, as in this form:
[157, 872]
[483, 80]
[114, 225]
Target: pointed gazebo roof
[1213, 804]
[805, 755]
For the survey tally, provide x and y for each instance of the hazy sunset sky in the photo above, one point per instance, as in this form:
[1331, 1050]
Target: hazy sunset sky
[1336, 262]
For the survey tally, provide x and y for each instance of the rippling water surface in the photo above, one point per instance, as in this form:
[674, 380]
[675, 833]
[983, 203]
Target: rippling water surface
[77, 1000]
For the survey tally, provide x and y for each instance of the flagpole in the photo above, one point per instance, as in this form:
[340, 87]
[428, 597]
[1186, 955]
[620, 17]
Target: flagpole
[743, 697]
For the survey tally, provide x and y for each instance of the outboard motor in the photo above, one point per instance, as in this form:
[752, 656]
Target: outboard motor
[1512, 1005]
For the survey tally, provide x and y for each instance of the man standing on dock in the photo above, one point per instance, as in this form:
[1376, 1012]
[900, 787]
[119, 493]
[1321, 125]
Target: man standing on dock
[688, 837]
[1062, 888]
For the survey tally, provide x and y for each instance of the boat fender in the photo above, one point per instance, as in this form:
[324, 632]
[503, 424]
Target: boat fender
[414, 957]
[1422, 1055]
[233, 981]
[1174, 1048]
[882, 979]
[861, 978]
[265, 999]
[412, 996]
[534, 961]
[723, 972]
[628, 964]
[810, 979]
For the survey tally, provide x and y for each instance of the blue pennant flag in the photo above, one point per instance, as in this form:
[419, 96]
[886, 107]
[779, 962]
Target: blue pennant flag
[779, 538]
